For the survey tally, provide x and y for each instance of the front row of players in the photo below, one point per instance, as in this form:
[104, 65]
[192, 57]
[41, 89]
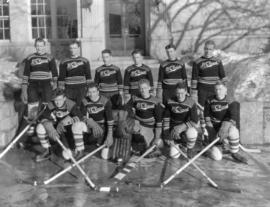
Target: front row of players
[175, 122]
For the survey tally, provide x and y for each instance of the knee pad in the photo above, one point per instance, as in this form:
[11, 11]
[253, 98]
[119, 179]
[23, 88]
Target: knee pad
[191, 133]
[79, 127]
[215, 153]
[174, 151]
[40, 129]
[233, 132]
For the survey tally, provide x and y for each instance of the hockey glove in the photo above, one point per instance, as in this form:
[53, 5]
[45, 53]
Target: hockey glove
[96, 129]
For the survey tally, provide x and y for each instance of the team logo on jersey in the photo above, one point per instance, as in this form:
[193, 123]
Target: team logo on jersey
[94, 109]
[218, 107]
[74, 64]
[106, 73]
[208, 64]
[38, 61]
[179, 110]
[145, 106]
[60, 114]
[137, 73]
[172, 68]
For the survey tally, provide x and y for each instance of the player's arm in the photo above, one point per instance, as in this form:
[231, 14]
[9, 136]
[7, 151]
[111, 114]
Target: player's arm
[221, 72]
[87, 72]
[160, 80]
[184, 75]
[53, 68]
[207, 114]
[194, 81]
[126, 82]
[119, 81]
[150, 78]
[62, 75]
[97, 78]
[159, 109]
[193, 116]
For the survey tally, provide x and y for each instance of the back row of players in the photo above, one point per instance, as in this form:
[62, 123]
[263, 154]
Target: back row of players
[79, 105]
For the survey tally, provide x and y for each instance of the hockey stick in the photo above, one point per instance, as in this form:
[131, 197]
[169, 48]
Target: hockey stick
[88, 180]
[189, 163]
[46, 182]
[30, 122]
[250, 150]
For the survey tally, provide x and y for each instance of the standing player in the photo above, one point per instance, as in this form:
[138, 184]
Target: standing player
[206, 71]
[74, 74]
[39, 79]
[97, 118]
[148, 112]
[181, 119]
[171, 72]
[221, 116]
[136, 72]
[108, 76]
[56, 121]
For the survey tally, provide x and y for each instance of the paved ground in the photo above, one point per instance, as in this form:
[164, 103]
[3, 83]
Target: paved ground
[18, 170]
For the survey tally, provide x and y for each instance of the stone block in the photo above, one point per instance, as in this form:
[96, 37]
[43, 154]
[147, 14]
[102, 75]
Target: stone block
[251, 123]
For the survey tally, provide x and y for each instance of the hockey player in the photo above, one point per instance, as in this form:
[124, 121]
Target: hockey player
[148, 114]
[136, 72]
[74, 74]
[221, 116]
[108, 76]
[171, 71]
[56, 121]
[206, 71]
[181, 119]
[39, 76]
[97, 118]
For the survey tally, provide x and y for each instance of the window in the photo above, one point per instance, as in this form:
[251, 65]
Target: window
[41, 18]
[4, 20]
[54, 19]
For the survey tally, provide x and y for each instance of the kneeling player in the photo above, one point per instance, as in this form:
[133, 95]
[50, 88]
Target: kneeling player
[221, 116]
[97, 119]
[59, 116]
[148, 114]
[181, 119]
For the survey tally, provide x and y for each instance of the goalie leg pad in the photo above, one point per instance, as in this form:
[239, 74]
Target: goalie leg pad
[121, 148]
[215, 153]
[191, 134]
[42, 135]
[78, 128]
[233, 139]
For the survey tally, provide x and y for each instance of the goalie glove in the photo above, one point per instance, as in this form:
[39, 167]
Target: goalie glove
[96, 129]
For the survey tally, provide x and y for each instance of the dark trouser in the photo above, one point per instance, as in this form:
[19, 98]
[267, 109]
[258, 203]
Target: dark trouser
[135, 92]
[167, 94]
[39, 91]
[204, 92]
[76, 94]
[110, 94]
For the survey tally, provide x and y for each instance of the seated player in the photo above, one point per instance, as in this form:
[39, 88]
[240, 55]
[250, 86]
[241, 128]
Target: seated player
[56, 121]
[97, 119]
[221, 117]
[148, 112]
[181, 119]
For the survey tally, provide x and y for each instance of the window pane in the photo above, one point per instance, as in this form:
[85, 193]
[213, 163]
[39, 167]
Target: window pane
[42, 32]
[40, 9]
[1, 11]
[34, 33]
[7, 34]
[33, 10]
[34, 22]
[33, 1]
[47, 9]
[48, 32]
[40, 1]
[1, 35]
[41, 22]
[6, 23]
[6, 10]
[1, 24]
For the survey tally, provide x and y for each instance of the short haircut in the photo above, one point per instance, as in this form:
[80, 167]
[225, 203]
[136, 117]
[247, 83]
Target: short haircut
[75, 42]
[144, 81]
[40, 39]
[106, 51]
[92, 84]
[181, 85]
[58, 92]
[169, 46]
[210, 42]
[137, 51]
[220, 83]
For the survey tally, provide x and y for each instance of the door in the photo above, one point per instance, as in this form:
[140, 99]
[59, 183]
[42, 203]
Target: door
[125, 26]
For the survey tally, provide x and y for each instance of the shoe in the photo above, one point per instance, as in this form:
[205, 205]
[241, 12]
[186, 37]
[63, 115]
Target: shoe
[44, 156]
[239, 158]
[78, 155]
[191, 153]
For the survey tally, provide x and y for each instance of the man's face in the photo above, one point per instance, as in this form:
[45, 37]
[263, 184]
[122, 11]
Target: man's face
[221, 91]
[144, 90]
[106, 57]
[171, 53]
[181, 94]
[137, 58]
[59, 101]
[93, 93]
[74, 50]
[208, 50]
[40, 47]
